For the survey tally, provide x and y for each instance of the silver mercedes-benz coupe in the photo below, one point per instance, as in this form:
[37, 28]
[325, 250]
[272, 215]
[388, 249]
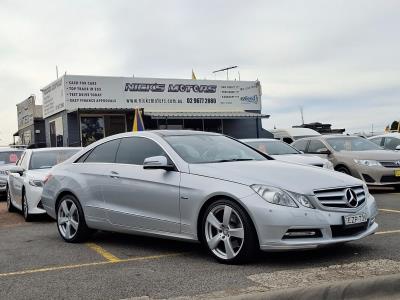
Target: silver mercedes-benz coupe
[207, 187]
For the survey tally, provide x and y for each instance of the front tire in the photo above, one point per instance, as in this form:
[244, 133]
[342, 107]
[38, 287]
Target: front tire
[343, 169]
[10, 207]
[71, 222]
[25, 209]
[228, 233]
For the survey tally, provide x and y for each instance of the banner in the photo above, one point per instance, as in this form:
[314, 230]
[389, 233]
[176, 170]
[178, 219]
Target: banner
[73, 92]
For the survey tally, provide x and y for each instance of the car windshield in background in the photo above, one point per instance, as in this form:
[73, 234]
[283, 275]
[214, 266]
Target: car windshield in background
[351, 144]
[9, 157]
[201, 148]
[50, 158]
[273, 147]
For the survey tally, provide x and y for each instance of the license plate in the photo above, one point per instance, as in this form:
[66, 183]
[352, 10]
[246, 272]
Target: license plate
[355, 219]
[397, 173]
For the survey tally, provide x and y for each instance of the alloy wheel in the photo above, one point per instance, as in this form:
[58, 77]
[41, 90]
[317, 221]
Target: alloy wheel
[68, 219]
[224, 232]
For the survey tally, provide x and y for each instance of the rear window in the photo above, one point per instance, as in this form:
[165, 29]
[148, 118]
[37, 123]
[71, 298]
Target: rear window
[50, 158]
[9, 157]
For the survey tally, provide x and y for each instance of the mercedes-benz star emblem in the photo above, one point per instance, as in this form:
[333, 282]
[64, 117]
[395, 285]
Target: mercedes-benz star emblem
[351, 198]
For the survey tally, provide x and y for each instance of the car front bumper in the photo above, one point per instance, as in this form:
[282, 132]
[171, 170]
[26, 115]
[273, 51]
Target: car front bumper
[274, 221]
[3, 183]
[34, 196]
[376, 176]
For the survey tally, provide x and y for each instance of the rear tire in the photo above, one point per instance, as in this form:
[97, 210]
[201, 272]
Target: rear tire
[227, 233]
[10, 207]
[71, 222]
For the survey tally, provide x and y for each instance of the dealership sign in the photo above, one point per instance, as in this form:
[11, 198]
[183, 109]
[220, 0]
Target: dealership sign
[26, 112]
[72, 92]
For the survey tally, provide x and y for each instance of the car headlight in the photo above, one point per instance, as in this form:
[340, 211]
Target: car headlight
[328, 165]
[366, 191]
[4, 172]
[274, 195]
[302, 199]
[367, 162]
[34, 182]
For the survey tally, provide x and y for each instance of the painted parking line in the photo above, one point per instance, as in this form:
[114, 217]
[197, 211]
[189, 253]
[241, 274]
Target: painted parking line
[99, 263]
[388, 232]
[389, 210]
[107, 255]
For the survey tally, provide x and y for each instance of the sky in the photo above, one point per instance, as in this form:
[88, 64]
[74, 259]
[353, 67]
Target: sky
[338, 60]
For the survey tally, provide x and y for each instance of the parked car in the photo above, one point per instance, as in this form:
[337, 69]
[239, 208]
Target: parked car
[201, 186]
[25, 180]
[356, 156]
[284, 152]
[289, 135]
[8, 157]
[389, 141]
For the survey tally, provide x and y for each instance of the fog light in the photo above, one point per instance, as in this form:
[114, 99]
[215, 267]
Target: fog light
[302, 233]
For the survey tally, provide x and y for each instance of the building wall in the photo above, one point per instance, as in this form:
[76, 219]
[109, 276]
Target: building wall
[48, 120]
[74, 135]
[40, 137]
[245, 128]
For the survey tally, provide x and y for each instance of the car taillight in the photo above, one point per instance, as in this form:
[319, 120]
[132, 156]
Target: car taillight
[47, 178]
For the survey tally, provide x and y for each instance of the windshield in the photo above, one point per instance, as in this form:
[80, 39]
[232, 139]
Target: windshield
[50, 158]
[9, 157]
[273, 147]
[351, 144]
[199, 148]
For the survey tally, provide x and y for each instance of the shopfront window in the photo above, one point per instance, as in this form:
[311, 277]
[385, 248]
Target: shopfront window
[92, 129]
[56, 133]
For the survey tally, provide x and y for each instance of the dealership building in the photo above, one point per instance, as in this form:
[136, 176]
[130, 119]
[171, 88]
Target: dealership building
[78, 110]
[31, 126]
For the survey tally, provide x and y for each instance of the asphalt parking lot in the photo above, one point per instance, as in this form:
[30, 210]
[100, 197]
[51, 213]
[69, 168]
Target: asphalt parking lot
[36, 263]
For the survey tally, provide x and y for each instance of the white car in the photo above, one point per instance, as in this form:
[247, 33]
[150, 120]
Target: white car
[25, 180]
[284, 152]
[388, 141]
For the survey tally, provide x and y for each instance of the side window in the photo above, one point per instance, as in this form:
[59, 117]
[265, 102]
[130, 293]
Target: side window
[316, 146]
[104, 153]
[134, 150]
[301, 145]
[391, 143]
[377, 141]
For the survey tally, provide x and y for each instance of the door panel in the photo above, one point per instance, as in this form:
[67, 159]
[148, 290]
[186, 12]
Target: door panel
[143, 199]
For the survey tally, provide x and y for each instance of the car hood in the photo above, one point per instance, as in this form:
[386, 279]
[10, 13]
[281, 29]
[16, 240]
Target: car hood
[300, 159]
[38, 174]
[292, 177]
[371, 154]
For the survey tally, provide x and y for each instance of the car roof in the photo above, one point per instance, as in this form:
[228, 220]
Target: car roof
[296, 131]
[260, 140]
[6, 149]
[54, 149]
[391, 134]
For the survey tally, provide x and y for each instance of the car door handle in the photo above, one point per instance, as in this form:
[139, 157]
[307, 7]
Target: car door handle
[114, 174]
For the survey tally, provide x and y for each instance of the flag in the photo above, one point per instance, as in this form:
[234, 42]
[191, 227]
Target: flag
[193, 75]
[138, 121]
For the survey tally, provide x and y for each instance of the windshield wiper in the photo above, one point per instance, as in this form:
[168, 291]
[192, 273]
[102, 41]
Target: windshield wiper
[233, 159]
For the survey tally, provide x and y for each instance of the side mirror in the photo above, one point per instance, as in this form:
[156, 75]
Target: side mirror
[17, 170]
[157, 162]
[324, 151]
[398, 147]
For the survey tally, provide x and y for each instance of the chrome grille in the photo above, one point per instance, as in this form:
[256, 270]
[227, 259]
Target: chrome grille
[391, 164]
[336, 197]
